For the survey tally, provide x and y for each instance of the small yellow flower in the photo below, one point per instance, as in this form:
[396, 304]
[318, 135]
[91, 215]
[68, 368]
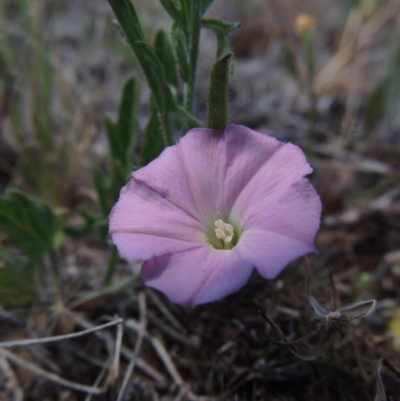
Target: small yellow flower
[304, 23]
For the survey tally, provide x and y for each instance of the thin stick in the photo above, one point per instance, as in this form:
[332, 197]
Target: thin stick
[165, 311]
[138, 346]
[114, 370]
[50, 376]
[22, 343]
[161, 351]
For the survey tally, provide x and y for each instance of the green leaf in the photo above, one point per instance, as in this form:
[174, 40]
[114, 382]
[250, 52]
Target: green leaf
[164, 51]
[102, 190]
[194, 26]
[112, 136]
[127, 123]
[119, 178]
[171, 9]
[190, 119]
[17, 279]
[30, 224]
[93, 222]
[218, 25]
[205, 4]
[221, 30]
[218, 94]
[180, 46]
[153, 143]
[149, 62]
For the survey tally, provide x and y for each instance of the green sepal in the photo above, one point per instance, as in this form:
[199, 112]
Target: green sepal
[218, 94]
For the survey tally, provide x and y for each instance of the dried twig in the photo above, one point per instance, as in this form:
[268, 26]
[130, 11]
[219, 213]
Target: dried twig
[35, 341]
[138, 345]
[48, 375]
[161, 351]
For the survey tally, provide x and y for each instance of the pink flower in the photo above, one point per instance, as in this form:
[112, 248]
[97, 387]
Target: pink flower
[213, 207]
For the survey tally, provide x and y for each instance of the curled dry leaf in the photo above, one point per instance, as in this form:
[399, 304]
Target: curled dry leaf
[329, 329]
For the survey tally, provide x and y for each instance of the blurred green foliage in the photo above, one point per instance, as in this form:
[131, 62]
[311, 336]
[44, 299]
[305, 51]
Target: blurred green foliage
[32, 232]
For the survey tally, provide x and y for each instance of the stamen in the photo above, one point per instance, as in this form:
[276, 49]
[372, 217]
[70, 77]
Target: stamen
[224, 231]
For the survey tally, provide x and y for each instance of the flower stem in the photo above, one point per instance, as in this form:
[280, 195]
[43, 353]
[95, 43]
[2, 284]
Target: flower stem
[56, 275]
[112, 261]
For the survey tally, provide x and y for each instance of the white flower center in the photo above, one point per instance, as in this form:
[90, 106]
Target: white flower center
[224, 231]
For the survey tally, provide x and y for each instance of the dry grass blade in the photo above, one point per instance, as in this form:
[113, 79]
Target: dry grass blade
[359, 309]
[138, 345]
[35, 341]
[335, 299]
[48, 375]
[380, 389]
[160, 350]
[309, 347]
[319, 309]
[9, 386]
[337, 317]
[390, 367]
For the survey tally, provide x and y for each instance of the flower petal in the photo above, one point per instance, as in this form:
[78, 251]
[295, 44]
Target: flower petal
[196, 276]
[270, 252]
[207, 170]
[296, 214]
[143, 223]
[189, 174]
[284, 168]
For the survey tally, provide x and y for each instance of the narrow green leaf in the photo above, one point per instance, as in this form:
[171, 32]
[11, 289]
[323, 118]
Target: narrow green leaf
[30, 224]
[180, 47]
[218, 25]
[171, 9]
[164, 51]
[127, 123]
[191, 120]
[153, 142]
[102, 190]
[92, 223]
[149, 62]
[112, 136]
[221, 30]
[119, 178]
[128, 19]
[218, 94]
[194, 26]
[205, 4]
